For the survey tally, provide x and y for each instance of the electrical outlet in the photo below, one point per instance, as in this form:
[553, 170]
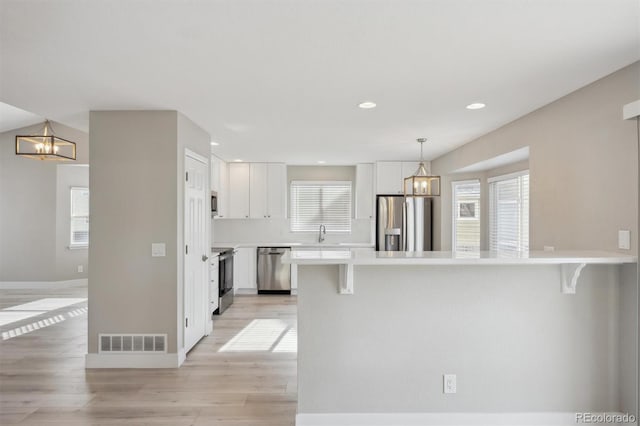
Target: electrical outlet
[624, 239]
[549, 248]
[80, 268]
[158, 249]
[449, 383]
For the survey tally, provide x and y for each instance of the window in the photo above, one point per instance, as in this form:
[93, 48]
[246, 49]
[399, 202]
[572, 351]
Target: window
[466, 215]
[509, 212]
[79, 217]
[315, 203]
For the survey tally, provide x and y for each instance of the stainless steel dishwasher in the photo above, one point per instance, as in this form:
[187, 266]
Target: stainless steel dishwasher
[274, 277]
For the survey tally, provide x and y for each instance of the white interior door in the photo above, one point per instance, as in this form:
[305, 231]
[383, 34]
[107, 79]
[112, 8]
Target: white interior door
[196, 252]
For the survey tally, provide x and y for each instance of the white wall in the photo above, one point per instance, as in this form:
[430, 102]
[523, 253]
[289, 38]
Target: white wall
[583, 165]
[29, 218]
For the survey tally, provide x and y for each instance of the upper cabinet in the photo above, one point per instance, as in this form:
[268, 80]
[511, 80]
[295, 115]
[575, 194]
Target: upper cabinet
[276, 190]
[239, 181]
[390, 175]
[220, 183]
[364, 191]
[257, 190]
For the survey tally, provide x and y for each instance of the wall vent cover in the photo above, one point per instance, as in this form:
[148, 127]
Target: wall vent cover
[132, 343]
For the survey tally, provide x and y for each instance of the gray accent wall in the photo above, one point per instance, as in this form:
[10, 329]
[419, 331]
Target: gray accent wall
[516, 344]
[582, 162]
[32, 214]
[137, 165]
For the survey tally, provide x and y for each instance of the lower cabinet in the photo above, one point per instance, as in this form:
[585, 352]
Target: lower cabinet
[245, 268]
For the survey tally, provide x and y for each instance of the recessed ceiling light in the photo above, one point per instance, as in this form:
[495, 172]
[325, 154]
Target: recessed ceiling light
[477, 105]
[214, 143]
[237, 160]
[367, 105]
[321, 162]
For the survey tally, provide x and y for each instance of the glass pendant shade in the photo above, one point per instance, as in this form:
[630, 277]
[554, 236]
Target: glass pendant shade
[45, 146]
[421, 184]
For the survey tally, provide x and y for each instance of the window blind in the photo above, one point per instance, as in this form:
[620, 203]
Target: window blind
[316, 203]
[509, 212]
[466, 215]
[79, 236]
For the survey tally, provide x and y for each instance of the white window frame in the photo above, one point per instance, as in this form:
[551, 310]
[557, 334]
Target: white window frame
[500, 178]
[476, 211]
[319, 182]
[456, 207]
[73, 245]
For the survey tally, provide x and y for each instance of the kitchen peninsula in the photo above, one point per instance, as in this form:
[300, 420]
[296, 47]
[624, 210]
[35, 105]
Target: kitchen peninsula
[377, 332]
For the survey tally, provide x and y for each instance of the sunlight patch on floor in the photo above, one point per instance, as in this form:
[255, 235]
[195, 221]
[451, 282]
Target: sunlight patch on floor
[46, 305]
[289, 342]
[8, 317]
[263, 335]
[37, 325]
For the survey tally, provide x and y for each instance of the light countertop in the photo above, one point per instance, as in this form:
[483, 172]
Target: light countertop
[369, 257]
[296, 245]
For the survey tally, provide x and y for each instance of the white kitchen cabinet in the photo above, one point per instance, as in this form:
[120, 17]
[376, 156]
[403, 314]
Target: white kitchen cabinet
[409, 168]
[258, 191]
[214, 282]
[267, 190]
[239, 192]
[389, 177]
[364, 191]
[245, 268]
[223, 190]
[215, 173]
[276, 190]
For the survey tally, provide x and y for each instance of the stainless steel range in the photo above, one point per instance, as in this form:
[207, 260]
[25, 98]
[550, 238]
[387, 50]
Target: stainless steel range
[225, 278]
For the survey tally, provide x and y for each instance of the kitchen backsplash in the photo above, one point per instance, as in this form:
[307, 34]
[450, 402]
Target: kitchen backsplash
[277, 230]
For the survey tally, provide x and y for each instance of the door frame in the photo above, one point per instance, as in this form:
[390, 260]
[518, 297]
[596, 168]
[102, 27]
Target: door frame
[205, 303]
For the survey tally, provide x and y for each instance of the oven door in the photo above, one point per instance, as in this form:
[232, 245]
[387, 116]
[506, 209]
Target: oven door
[225, 281]
[214, 204]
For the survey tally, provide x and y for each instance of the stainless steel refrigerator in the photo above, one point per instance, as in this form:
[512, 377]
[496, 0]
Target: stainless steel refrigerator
[404, 223]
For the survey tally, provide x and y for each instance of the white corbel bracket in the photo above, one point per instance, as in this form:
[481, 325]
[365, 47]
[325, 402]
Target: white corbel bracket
[570, 273]
[345, 279]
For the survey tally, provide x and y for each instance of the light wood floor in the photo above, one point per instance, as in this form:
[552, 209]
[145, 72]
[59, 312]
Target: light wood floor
[43, 380]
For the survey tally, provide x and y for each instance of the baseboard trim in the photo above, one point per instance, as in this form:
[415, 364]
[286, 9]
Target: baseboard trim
[16, 285]
[121, 360]
[182, 356]
[449, 419]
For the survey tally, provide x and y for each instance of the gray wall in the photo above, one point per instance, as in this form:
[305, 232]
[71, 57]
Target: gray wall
[29, 218]
[68, 260]
[516, 344]
[583, 163]
[137, 159]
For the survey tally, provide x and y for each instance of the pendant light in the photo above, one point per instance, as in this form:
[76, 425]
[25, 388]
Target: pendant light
[45, 146]
[421, 184]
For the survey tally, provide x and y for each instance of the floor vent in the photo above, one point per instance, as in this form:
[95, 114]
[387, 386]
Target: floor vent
[132, 343]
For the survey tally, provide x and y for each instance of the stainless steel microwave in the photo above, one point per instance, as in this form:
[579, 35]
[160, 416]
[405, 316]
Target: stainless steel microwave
[214, 203]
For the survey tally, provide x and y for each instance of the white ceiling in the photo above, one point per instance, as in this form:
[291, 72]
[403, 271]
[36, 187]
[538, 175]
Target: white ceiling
[280, 80]
[14, 118]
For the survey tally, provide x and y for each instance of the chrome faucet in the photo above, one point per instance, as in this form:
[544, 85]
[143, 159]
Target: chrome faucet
[321, 233]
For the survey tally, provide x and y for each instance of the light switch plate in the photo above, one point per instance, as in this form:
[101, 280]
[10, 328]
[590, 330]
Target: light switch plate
[624, 239]
[158, 249]
[449, 383]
